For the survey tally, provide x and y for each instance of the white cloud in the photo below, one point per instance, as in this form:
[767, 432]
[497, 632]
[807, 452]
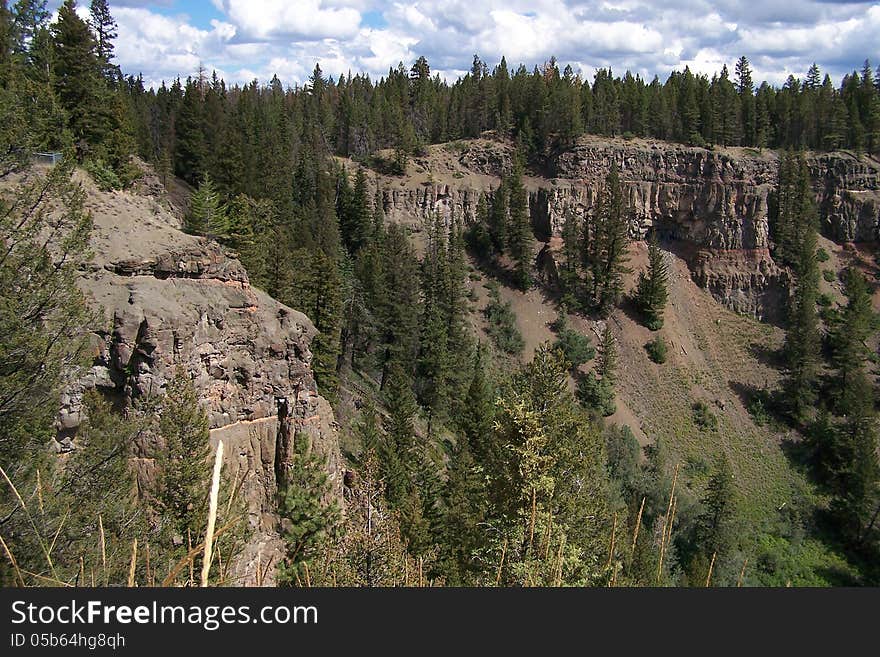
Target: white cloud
[304, 19]
[258, 38]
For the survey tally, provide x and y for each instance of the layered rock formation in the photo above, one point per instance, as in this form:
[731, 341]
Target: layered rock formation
[712, 204]
[173, 302]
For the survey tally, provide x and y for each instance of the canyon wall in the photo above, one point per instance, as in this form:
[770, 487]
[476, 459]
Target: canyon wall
[171, 302]
[711, 205]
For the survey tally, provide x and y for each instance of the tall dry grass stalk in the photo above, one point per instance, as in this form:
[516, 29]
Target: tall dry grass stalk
[103, 540]
[187, 559]
[501, 563]
[742, 573]
[667, 524]
[547, 535]
[133, 564]
[58, 532]
[559, 560]
[212, 513]
[12, 560]
[149, 570]
[711, 566]
[613, 536]
[189, 547]
[40, 492]
[632, 550]
[46, 551]
[532, 521]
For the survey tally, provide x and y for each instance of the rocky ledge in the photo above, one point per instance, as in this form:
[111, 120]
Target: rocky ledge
[713, 203]
[173, 302]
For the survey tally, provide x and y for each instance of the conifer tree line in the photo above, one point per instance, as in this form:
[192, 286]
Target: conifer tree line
[408, 109]
[829, 390]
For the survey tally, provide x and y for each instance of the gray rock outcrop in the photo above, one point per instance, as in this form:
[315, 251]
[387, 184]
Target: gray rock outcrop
[711, 204]
[174, 302]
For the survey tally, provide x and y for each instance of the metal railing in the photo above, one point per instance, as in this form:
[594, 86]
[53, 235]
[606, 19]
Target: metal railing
[48, 158]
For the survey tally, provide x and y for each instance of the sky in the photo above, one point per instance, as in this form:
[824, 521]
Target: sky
[253, 39]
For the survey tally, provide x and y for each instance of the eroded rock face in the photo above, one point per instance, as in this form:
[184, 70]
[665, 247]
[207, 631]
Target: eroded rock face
[415, 206]
[173, 302]
[848, 193]
[714, 204]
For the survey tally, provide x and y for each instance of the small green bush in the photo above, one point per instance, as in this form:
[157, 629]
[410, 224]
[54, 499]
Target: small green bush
[758, 409]
[104, 176]
[822, 255]
[576, 346]
[703, 416]
[502, 323]
[824, 300]
[597, 395]
[657, 350]
[829, 275]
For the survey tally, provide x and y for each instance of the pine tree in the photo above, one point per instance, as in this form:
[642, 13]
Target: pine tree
[498, 218]
[519, 236]
[398, 302]
[651, 292]
[182, 485]
[207, 214]
[307, 509]
[105, 29]
[98, 480]
[475, 418]
[48, 120]
[368, 433]
[43, 310]
[609, 245]
[849, 342]
[569, 275]
[397, 452]
[190, 156]
[433, 363]
[316, 290]
[802, 339]
[28, 17]
[79, 86]
[715, 533]
[745, 89]
[464, 509]
[596, 389]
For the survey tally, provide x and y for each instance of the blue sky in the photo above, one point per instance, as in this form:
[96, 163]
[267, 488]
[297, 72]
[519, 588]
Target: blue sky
[247, 39]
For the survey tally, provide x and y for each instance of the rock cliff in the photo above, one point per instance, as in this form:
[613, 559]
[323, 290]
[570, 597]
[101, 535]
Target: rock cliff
[711, 204]
[170, 302]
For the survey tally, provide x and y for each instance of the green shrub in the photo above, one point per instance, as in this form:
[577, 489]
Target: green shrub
[657, 350]
[824, 300]
[502, 323]
[576, 346]
[822, 255]
[758, 408]
[703, 417]
[105, 178]
[596, 394]
[829, 275]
